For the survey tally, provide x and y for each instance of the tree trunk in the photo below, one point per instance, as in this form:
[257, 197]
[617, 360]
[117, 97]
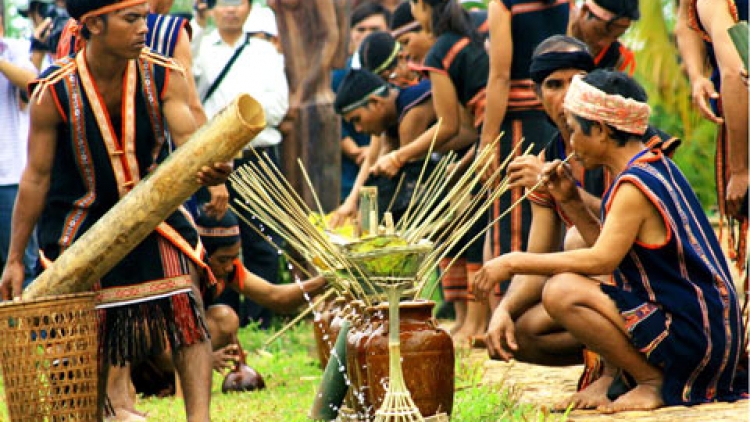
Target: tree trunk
[313, 37]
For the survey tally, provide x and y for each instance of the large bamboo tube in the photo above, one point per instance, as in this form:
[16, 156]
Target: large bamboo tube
[151, 201]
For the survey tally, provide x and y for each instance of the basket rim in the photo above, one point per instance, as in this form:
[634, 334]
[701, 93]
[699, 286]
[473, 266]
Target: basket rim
[423, 246]
[45, 299]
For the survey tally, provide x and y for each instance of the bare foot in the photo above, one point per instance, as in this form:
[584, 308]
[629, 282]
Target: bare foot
[591, 397]
[642, 397]
[124, 415]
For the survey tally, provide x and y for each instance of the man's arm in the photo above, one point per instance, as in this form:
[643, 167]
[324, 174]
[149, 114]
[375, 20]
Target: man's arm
[182, 125]
[19, 75]
[176, 109]
[349, 207]
[631, 216]
[219, 202]
[580, 206]
[693, 54]
[282, 298]
[545, 236]
[32, 190]
[184, 57]
[498, 82]
[525, 290]
[353, 151]
[717, 20]
[412, 146]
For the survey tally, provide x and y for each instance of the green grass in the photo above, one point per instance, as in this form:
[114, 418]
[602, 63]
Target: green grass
[292, 374]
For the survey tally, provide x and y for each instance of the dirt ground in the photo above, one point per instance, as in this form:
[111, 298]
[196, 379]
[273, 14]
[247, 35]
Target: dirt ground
[545, 386]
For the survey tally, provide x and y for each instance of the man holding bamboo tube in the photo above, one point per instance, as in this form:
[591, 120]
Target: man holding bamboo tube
[98, 128]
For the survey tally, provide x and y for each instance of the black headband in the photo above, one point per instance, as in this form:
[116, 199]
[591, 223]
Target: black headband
[545, 64]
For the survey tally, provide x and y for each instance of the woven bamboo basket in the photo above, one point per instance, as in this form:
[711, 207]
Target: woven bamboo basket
[48, 352]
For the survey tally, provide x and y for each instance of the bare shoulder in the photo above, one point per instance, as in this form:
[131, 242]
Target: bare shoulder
[45, 111]
[177, 86]
[627, 196]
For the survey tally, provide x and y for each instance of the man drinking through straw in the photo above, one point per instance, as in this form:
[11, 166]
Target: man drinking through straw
[669, 316]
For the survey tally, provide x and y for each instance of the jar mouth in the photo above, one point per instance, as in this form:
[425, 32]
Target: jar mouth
[406, 304]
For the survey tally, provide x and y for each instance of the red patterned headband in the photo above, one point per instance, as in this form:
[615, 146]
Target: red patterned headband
[592, 103]
[231, 231]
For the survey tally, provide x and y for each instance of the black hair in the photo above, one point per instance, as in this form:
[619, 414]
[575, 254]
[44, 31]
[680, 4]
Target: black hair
[378, 52]
[559, 43]
[356, 88]
[621, 8]
[401, 16]
[77, 8]
[449, 15]
[613, 83]
[367, 9]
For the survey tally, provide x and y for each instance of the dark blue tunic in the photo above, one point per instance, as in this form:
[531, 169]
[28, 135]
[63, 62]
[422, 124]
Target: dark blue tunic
[678, 299]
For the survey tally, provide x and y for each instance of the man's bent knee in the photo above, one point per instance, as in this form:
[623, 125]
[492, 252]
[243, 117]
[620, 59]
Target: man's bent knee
[223, 323]
[559, 294]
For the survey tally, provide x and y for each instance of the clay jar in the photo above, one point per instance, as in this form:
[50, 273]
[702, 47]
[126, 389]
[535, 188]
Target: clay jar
[356, 359]
[323, 340]
[337, 318]
[427, 358]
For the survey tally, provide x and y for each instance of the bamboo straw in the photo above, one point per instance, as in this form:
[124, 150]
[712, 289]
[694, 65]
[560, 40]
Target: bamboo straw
[424, 166]
[312, 189]
[462, 189]
[434, 183]
[395, 194]
[509, 209]
[252, 182]
[413, 220]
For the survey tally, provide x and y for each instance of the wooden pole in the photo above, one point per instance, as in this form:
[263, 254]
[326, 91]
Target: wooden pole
[152, 200]
[313, 43]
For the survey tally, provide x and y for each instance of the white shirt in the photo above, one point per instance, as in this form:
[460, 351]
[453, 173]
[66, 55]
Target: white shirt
[13, 121]
[258, 71]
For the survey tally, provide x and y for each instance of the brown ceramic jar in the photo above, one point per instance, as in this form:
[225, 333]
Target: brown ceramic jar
[357, 360]
[323, 341]
[428, 358]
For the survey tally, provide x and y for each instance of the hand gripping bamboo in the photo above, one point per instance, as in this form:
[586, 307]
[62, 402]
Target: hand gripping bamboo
[152, 200]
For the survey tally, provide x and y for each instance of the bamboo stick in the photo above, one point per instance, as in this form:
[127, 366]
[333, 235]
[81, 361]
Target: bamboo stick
[298, 318]
[501, 216]
[424, 166]
[263, 188]
[151, 201]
